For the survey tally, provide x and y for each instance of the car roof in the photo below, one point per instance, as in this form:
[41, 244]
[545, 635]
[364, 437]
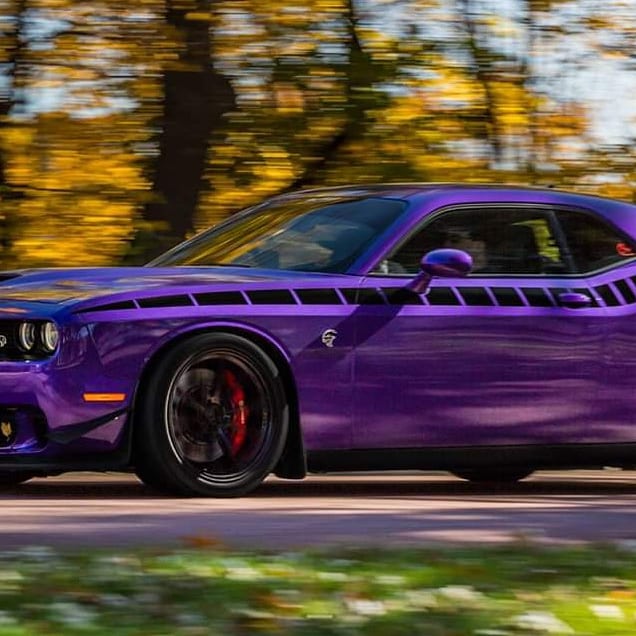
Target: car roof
[408, 190]
[460, 193]
[389, 190]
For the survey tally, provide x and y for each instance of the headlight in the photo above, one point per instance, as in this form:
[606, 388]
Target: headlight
[27, 334]
[42, 337]
[49, 336]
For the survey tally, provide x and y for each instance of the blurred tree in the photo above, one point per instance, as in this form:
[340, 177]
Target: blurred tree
[442, 89]
[285, 60]
[195, 99]
[11, 43]
[151, 119]
[306, 82]
[360, 73]
[77, 137]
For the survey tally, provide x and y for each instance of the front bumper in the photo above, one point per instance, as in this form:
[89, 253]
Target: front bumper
[44, 418]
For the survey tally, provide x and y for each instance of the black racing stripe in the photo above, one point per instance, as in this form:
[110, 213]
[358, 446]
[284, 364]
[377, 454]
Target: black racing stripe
[608, 296]
[626, 291]
[556, 293]
[370, 297]
[537, 297]
[271, 297]
[402, 296]
[221, 298]
[324, 296]
[123, 304]
[587, 292]
[475, 296]
[180, 300]
[507, 296]
[441, 296]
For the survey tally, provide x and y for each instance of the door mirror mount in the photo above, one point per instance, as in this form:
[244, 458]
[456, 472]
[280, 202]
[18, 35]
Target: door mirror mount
[443, 263]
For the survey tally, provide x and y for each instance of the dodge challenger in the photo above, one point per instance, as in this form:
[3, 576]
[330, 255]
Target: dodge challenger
[485, 330]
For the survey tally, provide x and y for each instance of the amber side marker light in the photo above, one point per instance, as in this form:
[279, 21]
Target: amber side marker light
[104, 397]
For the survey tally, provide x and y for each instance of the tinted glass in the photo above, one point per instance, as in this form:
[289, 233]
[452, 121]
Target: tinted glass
[593, 244]
[314, 234]
[500, 241]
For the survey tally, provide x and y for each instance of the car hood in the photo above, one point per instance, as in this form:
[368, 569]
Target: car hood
[72, 285]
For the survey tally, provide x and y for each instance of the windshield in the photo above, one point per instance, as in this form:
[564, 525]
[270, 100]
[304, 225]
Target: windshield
[309, 233]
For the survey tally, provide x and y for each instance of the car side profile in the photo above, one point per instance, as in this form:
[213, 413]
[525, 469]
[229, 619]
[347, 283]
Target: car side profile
[484, 330]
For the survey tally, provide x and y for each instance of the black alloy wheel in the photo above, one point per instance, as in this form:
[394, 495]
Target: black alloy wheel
[213, 418]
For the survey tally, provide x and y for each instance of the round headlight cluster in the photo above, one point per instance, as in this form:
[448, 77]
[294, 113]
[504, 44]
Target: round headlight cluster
[27, 334]
[43, 336]
[50, 336]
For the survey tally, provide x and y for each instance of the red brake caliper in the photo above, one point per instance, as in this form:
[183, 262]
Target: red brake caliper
[239, 421]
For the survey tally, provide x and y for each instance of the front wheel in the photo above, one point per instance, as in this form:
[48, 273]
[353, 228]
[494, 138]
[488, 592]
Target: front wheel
[212, 419]
[493, 475]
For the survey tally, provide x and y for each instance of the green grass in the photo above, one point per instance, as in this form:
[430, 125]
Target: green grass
[384, 592]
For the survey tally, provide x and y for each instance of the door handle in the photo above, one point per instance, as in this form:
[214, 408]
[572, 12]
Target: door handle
[574, 300]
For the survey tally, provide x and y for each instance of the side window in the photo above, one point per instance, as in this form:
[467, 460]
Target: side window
[500, 241]
[592, 244]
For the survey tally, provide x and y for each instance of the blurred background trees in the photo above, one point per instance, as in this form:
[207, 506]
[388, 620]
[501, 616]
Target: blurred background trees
[127, 126]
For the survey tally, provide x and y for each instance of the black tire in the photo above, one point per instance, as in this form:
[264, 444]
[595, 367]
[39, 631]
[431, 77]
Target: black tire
[212, 419]
[13, 479]
[493, 475]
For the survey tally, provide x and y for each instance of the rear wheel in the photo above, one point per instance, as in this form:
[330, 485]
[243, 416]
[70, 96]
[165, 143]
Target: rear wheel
[501, 475]
[213, 418]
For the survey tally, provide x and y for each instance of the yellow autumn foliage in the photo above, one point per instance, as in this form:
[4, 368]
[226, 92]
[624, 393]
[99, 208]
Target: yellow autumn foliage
[424, 92]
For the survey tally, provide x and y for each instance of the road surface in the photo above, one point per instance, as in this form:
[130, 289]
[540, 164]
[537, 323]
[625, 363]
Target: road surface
[409, 509]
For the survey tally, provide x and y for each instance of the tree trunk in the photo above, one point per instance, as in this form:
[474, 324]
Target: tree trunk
[481, 59]
[195, 99]
[360, 77]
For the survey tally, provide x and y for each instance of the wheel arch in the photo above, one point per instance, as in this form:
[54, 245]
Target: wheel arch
[293, 462]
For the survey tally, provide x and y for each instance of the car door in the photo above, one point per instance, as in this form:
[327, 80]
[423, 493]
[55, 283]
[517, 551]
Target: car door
[509, 355]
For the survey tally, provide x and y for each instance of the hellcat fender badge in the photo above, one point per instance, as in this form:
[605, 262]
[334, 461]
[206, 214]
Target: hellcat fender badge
[3, 341]
[328, 337]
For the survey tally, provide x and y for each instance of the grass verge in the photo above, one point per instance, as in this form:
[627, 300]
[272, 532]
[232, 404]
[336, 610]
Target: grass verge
[384, 592]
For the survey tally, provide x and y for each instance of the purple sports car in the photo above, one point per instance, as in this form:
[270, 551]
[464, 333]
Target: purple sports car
[488, 331]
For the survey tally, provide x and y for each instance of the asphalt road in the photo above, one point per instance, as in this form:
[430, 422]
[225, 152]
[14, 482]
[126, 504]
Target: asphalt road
[414, 509]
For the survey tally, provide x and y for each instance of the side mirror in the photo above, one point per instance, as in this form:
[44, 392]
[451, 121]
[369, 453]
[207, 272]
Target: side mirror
[445, 263]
